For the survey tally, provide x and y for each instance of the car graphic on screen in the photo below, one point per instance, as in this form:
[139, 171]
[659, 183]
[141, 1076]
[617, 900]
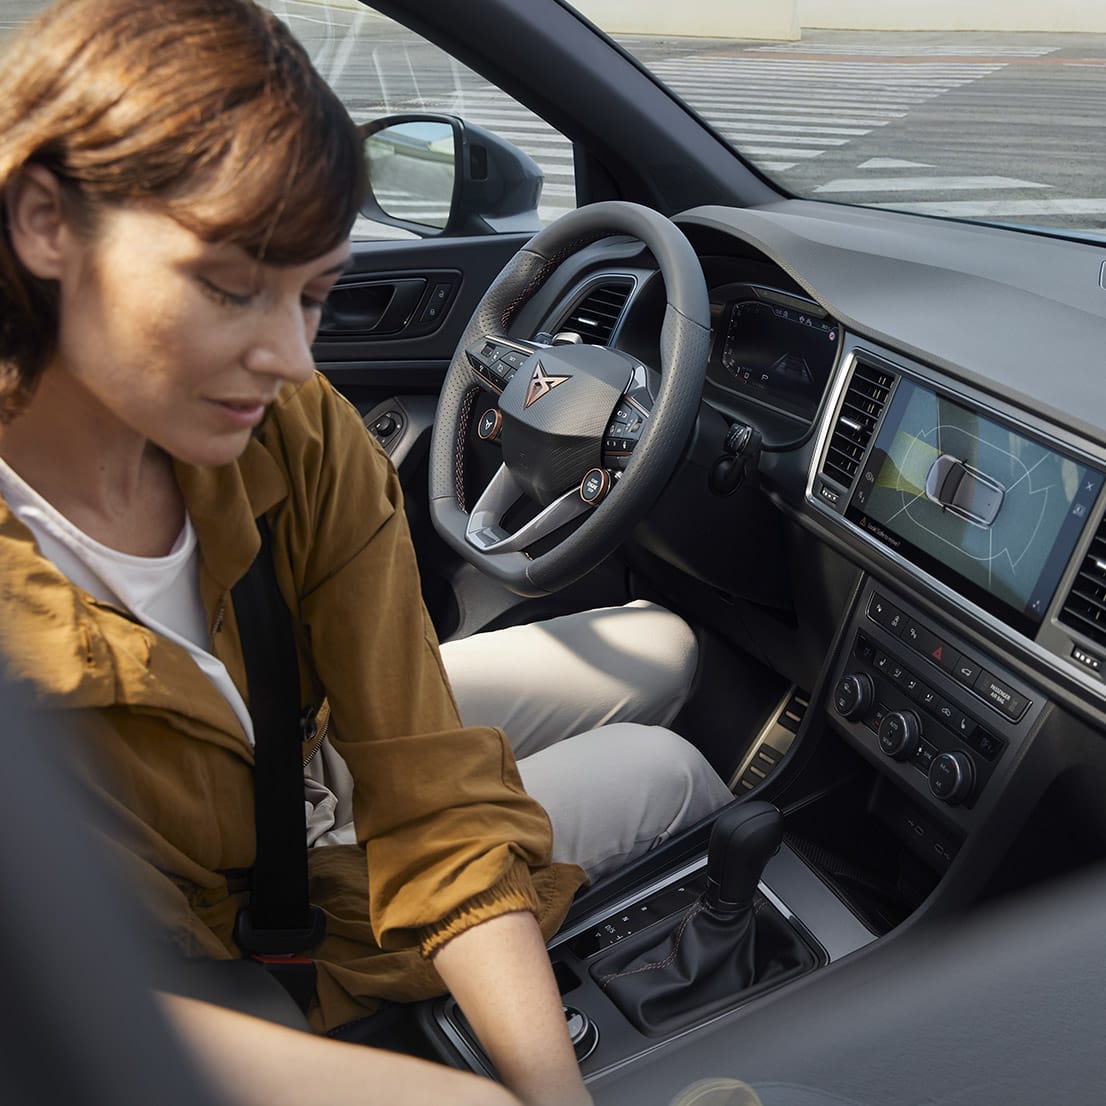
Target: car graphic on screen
[964, 491]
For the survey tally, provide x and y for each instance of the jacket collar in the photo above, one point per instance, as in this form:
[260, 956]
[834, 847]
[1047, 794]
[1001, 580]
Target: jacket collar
[223, 504]
[78, 652]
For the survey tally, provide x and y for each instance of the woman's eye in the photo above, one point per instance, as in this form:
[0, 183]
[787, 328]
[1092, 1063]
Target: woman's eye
[222, 296]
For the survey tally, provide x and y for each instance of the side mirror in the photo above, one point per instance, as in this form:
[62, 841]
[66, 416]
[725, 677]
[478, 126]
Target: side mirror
[438, 175]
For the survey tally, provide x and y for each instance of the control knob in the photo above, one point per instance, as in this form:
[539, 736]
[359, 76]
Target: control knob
[582, 1032]
[854, 695]
[899, 734]
[951, 776]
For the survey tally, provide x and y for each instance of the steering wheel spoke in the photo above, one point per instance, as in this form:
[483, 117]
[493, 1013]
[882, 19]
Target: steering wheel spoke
[485, 530]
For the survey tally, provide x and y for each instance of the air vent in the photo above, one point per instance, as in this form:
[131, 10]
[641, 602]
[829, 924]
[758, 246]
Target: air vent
[864, 402]
[596, 315]
[1085, 607]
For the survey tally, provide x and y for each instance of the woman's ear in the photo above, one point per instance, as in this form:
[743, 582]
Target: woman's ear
[37, 221]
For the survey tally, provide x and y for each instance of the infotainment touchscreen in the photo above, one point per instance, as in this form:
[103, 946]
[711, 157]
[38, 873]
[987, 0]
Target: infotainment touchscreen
[990, 511]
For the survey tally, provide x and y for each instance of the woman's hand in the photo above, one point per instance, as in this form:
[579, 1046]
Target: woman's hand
[499, 973]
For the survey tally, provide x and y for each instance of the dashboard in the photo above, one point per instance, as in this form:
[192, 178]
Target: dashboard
[925, 403]
[945, 380]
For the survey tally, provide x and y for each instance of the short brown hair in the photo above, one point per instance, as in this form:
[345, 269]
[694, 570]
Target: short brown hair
[207, 110]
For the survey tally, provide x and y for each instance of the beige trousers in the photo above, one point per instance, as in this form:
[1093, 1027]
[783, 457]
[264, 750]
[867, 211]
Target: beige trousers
[585, 700]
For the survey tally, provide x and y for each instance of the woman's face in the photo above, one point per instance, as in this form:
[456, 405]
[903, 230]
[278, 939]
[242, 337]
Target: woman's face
[181, 342]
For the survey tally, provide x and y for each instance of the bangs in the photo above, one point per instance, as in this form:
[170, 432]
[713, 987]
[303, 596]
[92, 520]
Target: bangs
[285, 186]
[284, 175]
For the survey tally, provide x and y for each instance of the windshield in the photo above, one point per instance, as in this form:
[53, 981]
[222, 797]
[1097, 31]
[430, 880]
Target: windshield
[1006, 127]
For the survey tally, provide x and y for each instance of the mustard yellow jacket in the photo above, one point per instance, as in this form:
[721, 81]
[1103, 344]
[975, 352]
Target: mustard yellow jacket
[448, 837]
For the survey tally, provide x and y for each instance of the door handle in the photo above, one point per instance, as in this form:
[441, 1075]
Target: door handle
[372, 307]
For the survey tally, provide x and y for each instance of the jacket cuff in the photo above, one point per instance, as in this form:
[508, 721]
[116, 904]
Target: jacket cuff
[514, 892]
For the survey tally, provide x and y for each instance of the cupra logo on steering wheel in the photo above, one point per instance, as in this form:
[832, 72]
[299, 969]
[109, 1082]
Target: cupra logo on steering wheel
[541, 383]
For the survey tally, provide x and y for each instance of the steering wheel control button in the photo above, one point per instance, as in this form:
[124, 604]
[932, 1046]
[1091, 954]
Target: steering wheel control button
[951, 777]
[853, 696]
[899, 734]
[594, 486]
[491, 422]
[495, 362]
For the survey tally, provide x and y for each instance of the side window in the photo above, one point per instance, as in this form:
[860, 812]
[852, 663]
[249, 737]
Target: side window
[379, 68]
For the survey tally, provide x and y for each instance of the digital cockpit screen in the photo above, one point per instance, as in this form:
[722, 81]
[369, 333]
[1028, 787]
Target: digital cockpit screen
[988, 510]
[781, 352]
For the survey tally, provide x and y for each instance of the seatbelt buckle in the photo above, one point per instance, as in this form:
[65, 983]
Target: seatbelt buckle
[280, 943]
[295, 973]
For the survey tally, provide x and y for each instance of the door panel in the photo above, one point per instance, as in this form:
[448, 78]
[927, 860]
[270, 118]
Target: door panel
[385, 350]
[385, 332]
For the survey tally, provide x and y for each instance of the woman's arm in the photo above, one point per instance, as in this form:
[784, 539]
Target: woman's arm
[256, 1063]
[499, 973]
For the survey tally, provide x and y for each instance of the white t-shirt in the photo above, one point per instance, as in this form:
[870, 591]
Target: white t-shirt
[161, 592]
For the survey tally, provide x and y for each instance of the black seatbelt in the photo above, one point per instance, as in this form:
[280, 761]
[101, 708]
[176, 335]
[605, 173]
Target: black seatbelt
[279, 920]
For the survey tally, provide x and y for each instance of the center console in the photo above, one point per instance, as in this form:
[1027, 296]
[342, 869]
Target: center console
[794, 908]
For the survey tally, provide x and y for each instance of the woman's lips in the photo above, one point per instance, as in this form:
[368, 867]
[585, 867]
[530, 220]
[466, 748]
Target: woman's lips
[243, 413]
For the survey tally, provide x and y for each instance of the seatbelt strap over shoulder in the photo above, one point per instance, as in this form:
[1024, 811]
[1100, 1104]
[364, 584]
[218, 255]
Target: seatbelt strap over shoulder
[279, 921]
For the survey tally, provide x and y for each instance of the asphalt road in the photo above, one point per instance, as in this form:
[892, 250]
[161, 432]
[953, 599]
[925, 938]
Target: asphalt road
[1004, 127]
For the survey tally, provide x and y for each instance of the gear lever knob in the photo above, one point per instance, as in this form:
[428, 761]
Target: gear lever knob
[745, 836]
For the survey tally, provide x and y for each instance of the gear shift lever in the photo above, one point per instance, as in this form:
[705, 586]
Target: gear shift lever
[744, 838]
[720, 948]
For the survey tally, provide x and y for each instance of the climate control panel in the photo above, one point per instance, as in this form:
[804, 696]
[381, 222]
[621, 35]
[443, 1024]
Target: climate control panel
[936, 713]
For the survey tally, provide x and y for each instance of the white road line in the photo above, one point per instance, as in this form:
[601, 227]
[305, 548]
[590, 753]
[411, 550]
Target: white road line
[755, 151]
[1000, 208]
[892, 163]
[938, 50]
[739, 135]
[923, 184]
[810, 114]
[777, 104]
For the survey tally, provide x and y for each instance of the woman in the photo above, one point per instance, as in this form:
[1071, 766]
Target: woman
[178, 188]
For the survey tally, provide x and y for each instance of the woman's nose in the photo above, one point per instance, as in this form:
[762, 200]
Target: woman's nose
[281, 346]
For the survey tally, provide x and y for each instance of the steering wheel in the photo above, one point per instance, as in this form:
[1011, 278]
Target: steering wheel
[585, 430]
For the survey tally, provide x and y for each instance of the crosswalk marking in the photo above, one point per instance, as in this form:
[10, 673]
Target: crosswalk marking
[992, 209]
[892, 163]
[915, 49]
[924, 184]
[783, 106]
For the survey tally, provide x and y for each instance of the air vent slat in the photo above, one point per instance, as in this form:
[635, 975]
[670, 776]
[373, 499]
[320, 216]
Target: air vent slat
[860, 412]
[1084, 609]
[595, 317]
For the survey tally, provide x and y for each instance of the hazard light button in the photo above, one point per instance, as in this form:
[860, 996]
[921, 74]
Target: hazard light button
[930, 646]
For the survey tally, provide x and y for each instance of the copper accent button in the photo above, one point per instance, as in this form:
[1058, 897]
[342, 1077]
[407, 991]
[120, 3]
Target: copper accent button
[594, 486]
[491, 421]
